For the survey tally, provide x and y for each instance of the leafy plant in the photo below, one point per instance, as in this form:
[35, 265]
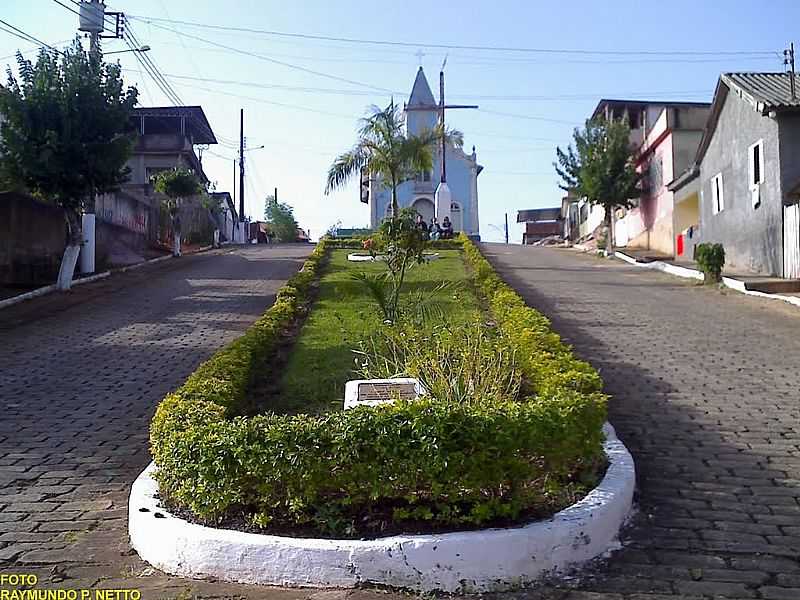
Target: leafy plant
[455, 363]
[280, 216]
[66, 134]
[401, 245]
[601, 168]
[711, 260]
[177, 185]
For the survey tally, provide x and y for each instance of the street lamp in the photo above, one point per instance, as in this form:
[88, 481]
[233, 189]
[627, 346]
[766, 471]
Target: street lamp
[142, 49]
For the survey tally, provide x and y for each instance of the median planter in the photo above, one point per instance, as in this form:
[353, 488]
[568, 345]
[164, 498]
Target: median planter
[461, 562]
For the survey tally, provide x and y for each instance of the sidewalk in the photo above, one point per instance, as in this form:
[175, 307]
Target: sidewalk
[765, 286]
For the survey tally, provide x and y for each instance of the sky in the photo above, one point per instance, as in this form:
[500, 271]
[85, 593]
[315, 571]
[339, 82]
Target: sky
[536, 69]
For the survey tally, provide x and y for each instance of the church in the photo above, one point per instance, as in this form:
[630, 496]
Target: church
[459, 200]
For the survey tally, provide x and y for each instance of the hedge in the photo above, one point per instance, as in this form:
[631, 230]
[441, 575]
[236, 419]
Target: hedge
[452, 465]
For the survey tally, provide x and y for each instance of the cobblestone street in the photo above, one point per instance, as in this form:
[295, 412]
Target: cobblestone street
[704, 388]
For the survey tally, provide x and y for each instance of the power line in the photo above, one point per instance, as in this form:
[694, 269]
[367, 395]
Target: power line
[272, 60]
[26, 36]
[577, 51]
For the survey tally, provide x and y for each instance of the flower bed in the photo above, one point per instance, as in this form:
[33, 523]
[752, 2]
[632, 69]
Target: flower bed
[446, 464]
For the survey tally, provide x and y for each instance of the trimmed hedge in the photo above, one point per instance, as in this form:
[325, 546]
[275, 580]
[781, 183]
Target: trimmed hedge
[358, 244]
[451, 465]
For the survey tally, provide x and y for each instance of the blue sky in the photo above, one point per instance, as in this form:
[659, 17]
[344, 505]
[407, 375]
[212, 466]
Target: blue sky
[544, 95]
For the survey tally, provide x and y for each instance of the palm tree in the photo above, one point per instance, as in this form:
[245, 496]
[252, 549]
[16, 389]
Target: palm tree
[384, 149]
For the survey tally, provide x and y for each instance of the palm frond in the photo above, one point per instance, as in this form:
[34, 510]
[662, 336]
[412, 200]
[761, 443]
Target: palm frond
[345, 166]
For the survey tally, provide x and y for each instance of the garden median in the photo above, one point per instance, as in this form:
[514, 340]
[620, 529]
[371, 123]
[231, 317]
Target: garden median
[427, 481]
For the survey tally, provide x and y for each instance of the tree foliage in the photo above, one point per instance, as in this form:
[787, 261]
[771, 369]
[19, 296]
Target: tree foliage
[600, 166]
[280, 216]
[67, 132]
[385, 149]
[177, 184]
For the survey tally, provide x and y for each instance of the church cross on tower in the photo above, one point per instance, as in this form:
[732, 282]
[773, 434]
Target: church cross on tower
[442, 107]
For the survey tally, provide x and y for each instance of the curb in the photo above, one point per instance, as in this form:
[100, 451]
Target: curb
[461, 562]
[687, 273]
[42, 291]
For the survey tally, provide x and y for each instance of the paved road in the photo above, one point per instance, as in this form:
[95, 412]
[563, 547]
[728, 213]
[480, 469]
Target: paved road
[80, 376]
[705, 394]
[705, 390]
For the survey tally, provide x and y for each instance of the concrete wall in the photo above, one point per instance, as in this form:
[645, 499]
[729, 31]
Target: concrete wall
[752, 236]
[32, 240]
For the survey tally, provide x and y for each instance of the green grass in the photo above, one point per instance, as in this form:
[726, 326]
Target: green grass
[344, 314]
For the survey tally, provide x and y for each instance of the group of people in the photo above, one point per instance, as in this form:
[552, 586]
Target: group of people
[435, 231]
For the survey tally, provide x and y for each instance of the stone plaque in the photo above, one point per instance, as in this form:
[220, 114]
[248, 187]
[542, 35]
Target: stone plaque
[381, 392]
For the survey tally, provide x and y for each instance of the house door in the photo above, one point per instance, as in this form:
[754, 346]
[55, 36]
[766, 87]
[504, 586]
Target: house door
[791, 241]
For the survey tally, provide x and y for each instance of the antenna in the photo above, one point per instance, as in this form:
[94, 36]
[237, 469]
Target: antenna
[444, 62]
[788, 59]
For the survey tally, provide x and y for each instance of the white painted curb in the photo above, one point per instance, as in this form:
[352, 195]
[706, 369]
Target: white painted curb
[52, 288]
[734, 284]
[48, 289]
[461, 562]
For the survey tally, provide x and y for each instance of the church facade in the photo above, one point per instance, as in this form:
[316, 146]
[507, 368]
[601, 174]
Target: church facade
[422, 113]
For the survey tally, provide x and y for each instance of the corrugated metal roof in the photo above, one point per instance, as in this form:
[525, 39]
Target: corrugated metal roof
[767, 91]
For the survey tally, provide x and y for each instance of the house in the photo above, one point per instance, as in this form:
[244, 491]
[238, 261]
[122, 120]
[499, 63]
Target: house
[540, 223]
[131, 220]
[745, 177]
[665, 136]
[422, 113]
[227, 219]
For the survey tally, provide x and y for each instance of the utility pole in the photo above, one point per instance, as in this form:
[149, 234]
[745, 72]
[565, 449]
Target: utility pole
[442, 197]
[241, 165]
[788, 59]
[506, 228]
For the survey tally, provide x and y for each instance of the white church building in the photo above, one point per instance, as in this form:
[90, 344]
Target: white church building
[462, 169]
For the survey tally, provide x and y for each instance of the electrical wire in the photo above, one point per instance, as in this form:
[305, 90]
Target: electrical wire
[576, 51]
[273, 61]
[26, 36]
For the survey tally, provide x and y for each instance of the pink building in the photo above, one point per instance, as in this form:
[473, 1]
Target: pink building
[666, 136]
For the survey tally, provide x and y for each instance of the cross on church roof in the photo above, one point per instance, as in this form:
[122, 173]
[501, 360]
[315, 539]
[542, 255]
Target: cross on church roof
[420, 55]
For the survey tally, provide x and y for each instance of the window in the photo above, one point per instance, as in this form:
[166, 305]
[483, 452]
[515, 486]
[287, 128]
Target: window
[756, 171]
[717, 194]
[423, 176]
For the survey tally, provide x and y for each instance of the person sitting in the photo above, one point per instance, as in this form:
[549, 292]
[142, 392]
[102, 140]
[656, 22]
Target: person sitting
[447, 229]
[434, 230]
[422, 226]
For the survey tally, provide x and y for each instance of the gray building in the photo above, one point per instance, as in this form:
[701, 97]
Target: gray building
[746, 174]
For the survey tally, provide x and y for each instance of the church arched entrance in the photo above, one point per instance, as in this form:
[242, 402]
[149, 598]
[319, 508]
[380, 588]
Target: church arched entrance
[424, 207]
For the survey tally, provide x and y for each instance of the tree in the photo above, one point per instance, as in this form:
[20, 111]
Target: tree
[384, 149]
[177, 185]
[67, 134]
[280, 216]
[601, 168]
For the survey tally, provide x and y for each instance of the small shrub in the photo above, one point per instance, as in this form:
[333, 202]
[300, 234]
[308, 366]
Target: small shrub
[711, 260]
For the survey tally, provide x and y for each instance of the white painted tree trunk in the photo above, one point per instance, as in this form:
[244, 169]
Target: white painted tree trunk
[176, 244]
[67, 270]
